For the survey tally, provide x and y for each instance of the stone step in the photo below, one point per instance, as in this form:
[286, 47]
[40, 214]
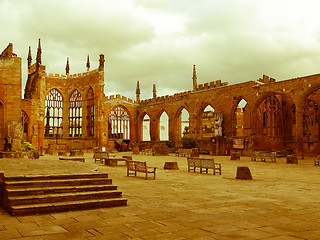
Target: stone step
[66, 206]
[63, 197]
[59, 176]
[57, 182]
[52, 190]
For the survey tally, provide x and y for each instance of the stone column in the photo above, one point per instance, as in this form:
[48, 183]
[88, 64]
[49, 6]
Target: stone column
[299, 128]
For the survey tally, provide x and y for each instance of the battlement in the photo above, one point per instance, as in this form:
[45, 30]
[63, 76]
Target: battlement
[77, 75]
[266, 79]
[166, 98]
[211, 85]
[118, 97]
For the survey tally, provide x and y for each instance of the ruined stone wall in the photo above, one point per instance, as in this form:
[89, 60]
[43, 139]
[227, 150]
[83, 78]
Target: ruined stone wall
[225, 99]
[10, 98]
[66, 84]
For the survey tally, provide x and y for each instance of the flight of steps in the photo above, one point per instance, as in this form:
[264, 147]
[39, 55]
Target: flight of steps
[26, 195]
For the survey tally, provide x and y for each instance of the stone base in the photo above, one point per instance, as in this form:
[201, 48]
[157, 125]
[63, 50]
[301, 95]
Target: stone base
[171, 165]
[235, 156]
[243, 173]
[76, 152]
[292, 159]
[5, 154]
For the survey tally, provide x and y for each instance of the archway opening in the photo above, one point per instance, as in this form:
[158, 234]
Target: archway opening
[241, 119]
[119, 124]
[184, 123]
[164, 127]
[208, 122]
[146, 128]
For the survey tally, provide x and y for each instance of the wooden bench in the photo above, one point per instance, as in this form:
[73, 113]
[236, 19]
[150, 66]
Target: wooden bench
[100, 156]
[77, 159]
[147, 151]
[203, 163]
[317, 160]
[136, 166]
[182, 152]
[264, 156]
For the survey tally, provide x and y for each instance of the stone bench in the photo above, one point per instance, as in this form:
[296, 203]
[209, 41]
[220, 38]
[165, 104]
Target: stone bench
[264, 156]
[136, 166]
[204, 163]
[182, 152]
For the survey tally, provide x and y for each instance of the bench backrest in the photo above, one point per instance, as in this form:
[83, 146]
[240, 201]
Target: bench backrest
[136, 165]
[140, 166]
[200, 162]
[101, 155]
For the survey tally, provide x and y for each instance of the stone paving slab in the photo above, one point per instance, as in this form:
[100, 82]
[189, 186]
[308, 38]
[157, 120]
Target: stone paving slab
[281, 202]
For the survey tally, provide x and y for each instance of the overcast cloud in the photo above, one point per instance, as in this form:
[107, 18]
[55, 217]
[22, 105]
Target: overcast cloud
[158, 41]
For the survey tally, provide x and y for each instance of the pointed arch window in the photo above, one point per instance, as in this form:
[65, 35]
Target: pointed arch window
[119, 123]
[75, 114]
[90, 113]
[53, 110]
[25, 124]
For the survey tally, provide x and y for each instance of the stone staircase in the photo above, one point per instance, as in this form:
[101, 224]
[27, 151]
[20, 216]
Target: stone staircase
[26, 195]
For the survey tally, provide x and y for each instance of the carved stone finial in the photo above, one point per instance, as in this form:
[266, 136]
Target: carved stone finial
[138, 92]
[29, 58]
[67, 67]
[101, 66]
[39, 53]
[194, 78]
[154, 91]
[88, 64]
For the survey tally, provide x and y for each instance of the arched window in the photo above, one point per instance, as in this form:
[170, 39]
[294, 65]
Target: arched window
[90, 113]
[53, 109]
[75, 114]
[25, 124]
[208, 122]
[270, 113]
[119, 123]
[146, 128]
[164, 127]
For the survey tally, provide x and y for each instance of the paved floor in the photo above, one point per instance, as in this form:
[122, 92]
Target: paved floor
[281, 203]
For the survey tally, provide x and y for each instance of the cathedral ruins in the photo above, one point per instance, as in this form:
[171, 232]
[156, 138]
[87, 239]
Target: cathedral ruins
[59, 113]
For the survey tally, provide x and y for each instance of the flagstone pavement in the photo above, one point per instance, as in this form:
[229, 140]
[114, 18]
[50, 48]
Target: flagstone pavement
[280, 203]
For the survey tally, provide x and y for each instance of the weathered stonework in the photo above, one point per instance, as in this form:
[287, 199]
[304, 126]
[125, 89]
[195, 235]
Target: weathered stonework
[277, 115]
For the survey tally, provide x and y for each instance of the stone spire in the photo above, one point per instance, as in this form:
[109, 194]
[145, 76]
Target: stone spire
[39, 53]
[194, 78]
[101, 66]
[138, 92]
[29, 58]
[67, 67]
[88, 64]
[154, 91]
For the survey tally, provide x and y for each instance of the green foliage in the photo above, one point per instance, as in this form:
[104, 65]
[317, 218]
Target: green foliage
[169, 144]
[27, 146]
[188, 142]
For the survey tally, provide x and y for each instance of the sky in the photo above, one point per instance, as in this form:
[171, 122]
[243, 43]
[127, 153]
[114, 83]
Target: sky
[159, 41]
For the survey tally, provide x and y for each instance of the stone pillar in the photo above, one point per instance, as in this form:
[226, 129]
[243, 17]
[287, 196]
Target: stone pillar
[299, 129]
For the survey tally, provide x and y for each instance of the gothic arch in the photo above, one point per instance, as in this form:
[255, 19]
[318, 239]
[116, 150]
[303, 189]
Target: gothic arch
[241, 117]
[25, 126]
[90, 113]
[75, 114]
[119, 123]
[53, 113]
[182, 124]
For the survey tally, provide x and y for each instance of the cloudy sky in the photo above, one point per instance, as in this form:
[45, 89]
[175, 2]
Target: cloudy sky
[158, 41]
